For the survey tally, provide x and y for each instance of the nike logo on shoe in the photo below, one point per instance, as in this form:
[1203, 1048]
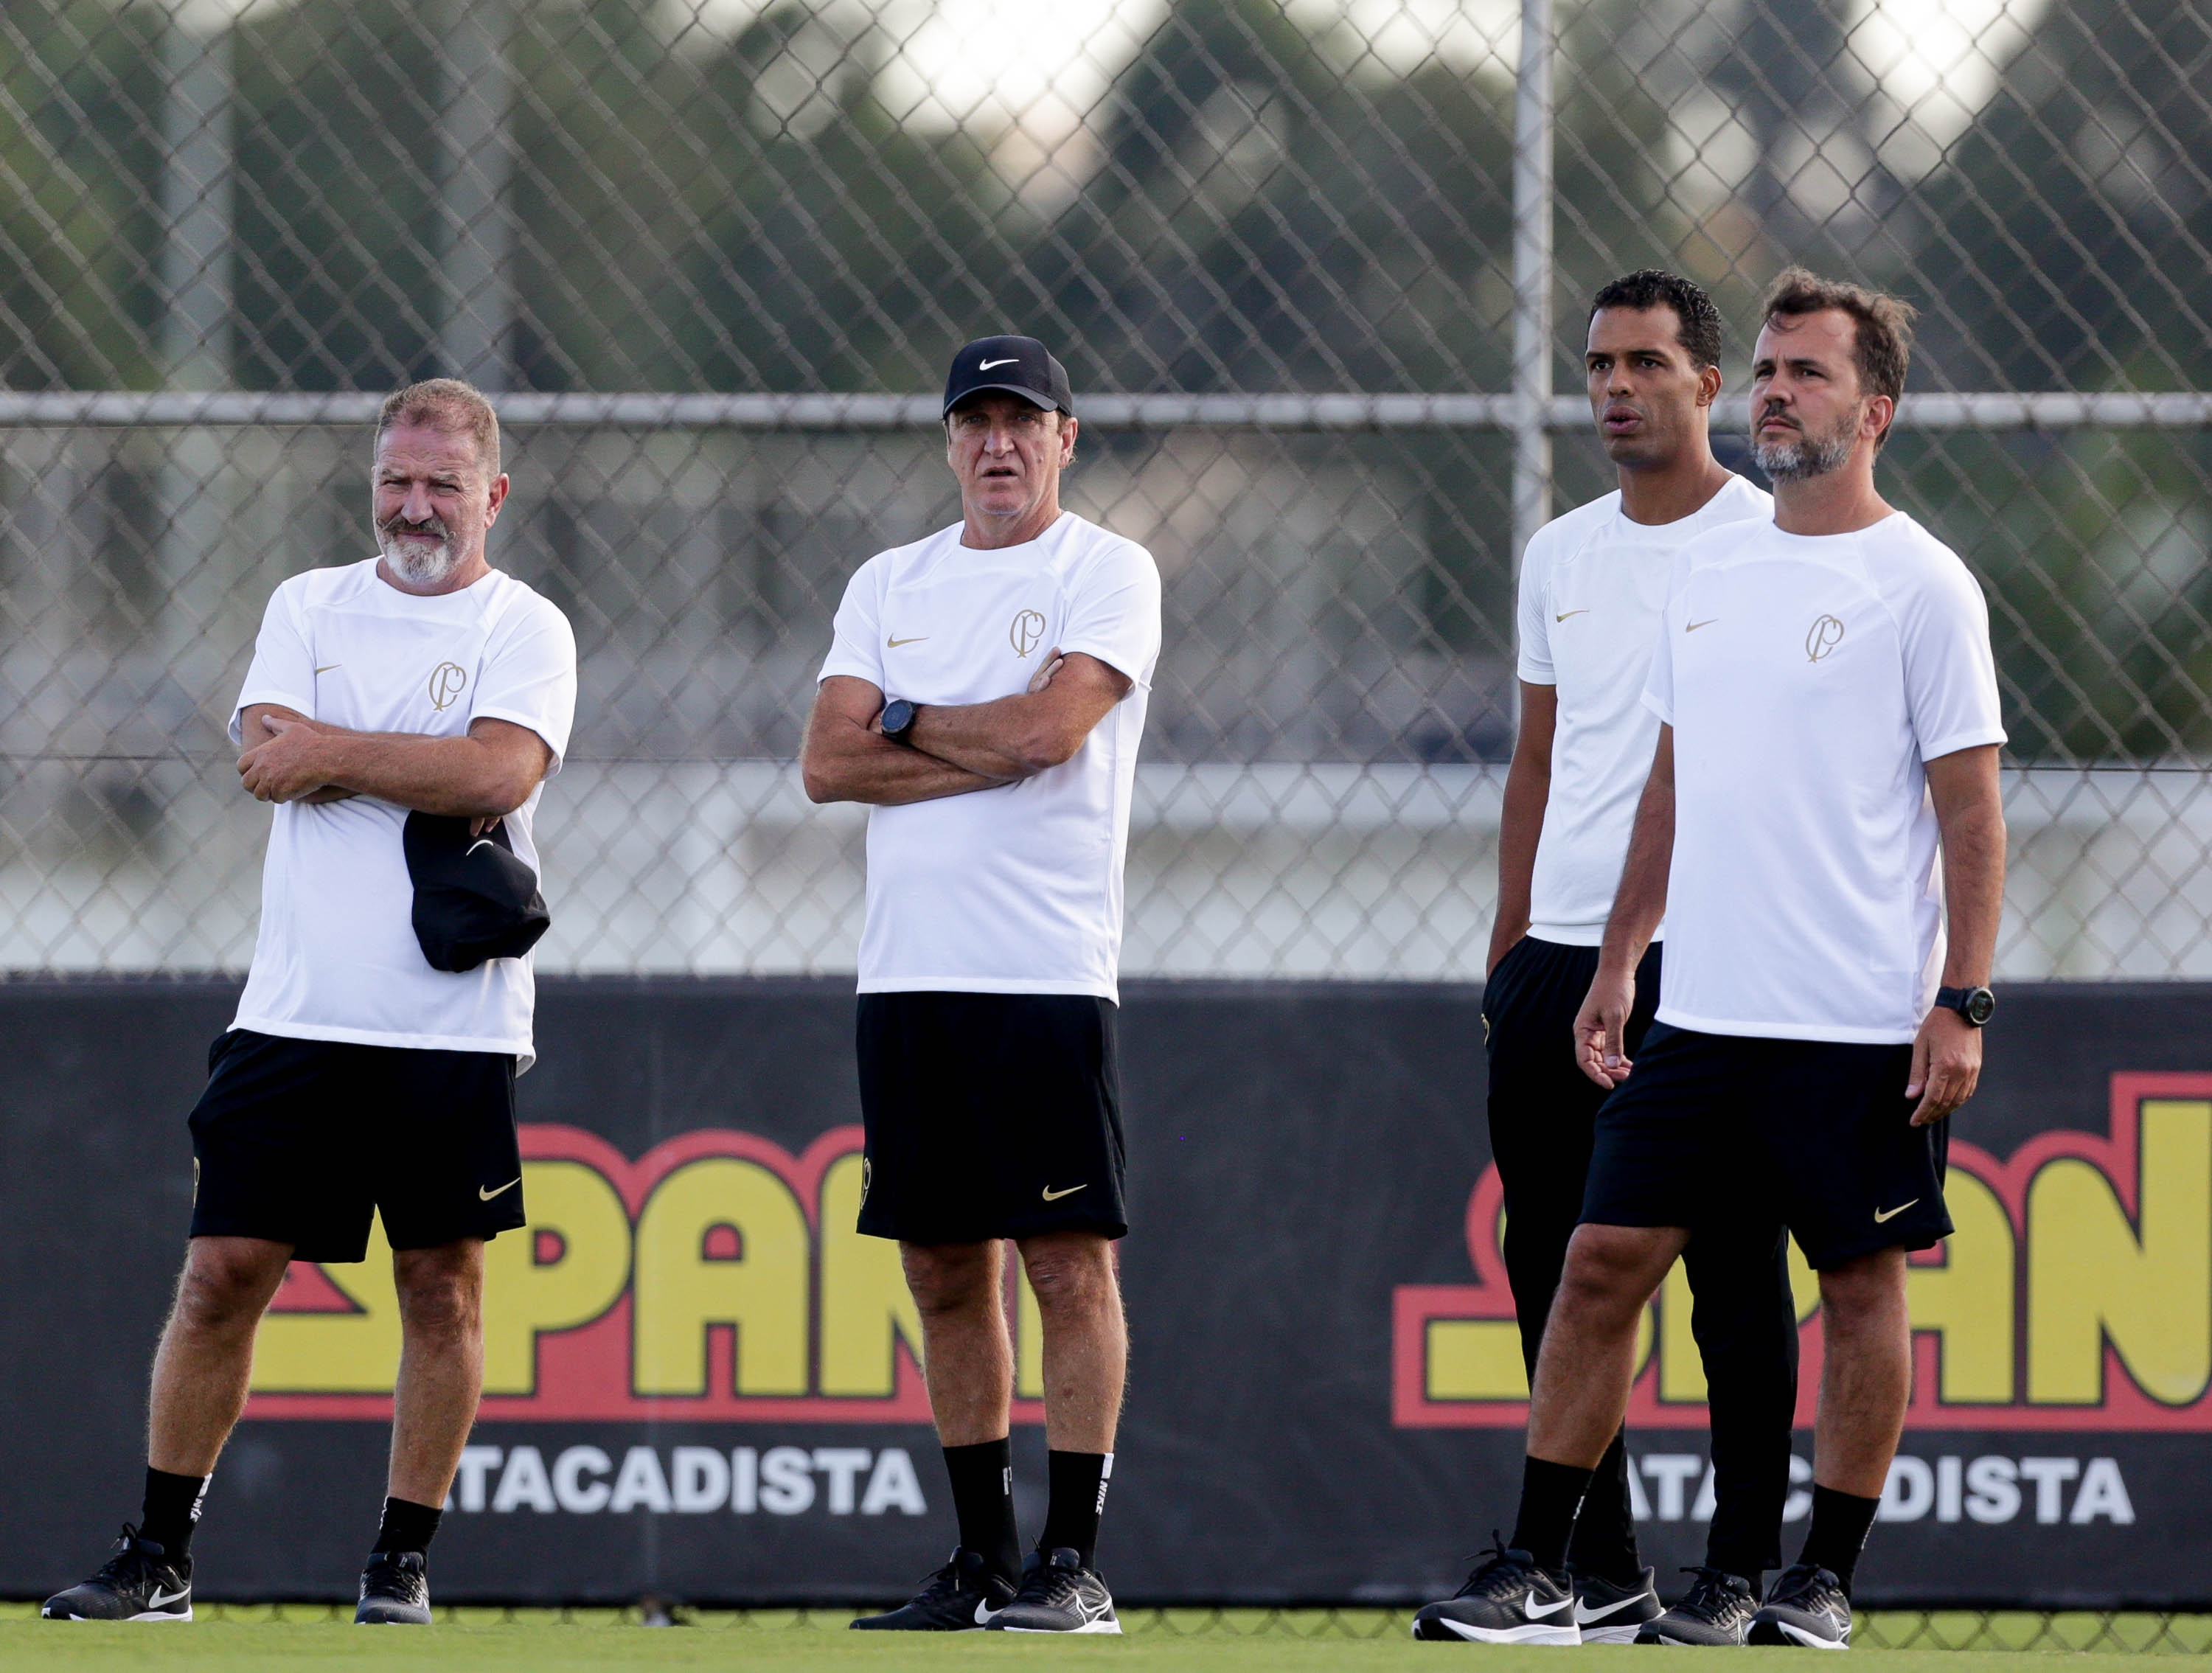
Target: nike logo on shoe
[1530, 1610]
[160, 1597]
[983, 1611]
[1584, 1617]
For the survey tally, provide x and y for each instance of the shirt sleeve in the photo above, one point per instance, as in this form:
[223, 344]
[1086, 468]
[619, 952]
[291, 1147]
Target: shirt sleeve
[1113, 612]
[529, 676]
[856, 643]
[283, 666]
[1532, 614]
[1950, 672]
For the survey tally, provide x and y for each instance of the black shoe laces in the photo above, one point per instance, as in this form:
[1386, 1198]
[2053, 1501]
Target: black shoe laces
[1051, 1586]
[389, 1574]
[1802, 1586]
[1499, 1572]
[1713, 1598]
[130, 1566]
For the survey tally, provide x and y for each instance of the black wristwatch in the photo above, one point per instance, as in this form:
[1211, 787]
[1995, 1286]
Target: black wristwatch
[898, 719]
[1976, 1005]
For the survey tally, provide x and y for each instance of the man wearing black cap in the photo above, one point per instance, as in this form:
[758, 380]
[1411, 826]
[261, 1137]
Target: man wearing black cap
[403, 712]
[985, 694]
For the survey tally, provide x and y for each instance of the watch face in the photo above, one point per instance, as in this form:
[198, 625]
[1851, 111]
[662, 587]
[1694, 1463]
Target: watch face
[1981, 1005]
[898, 715]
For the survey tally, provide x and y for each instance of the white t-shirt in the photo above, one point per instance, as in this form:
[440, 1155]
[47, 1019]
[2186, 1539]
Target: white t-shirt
[1015, 890]
[1593, 583]
[337, 957]
[1807, 679]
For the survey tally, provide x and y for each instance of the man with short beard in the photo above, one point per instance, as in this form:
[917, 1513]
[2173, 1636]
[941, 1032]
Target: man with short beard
[402, 712]
[1823, 796]
[1593, 584]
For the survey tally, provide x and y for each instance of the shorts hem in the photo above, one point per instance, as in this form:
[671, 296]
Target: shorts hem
[1827, 1259]
[1112, 1230]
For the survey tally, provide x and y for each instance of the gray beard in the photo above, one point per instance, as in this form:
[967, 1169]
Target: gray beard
[424, 568]
[1810, 456]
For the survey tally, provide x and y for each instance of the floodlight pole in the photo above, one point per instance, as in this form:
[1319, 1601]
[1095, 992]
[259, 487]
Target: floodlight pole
[1532, 275]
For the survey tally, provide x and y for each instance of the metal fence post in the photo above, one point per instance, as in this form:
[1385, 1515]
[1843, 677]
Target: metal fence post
[1532, 275]
[478, 245]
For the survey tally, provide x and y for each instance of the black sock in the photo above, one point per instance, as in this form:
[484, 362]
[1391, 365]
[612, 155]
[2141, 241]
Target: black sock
[1078, 1500]
[172, 1510]
[1604, 1542]
[1841, 1522]
[1550, 1497]
[407, 1526]
[983, 1498]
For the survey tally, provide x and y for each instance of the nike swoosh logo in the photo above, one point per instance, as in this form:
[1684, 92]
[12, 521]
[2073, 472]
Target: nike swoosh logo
[893, 644]
[1691, 627]
[1880, 1215]
[480, 842]
[160, 1597]
[983, 1611]
[327, 667]
[986, 365]
[1584, 1617]
[503, 1189]
[1052, 1195]
[1530, 1610]
[1563, 614]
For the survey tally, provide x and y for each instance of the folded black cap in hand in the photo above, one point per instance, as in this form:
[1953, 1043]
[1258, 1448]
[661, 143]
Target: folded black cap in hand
[474, 899]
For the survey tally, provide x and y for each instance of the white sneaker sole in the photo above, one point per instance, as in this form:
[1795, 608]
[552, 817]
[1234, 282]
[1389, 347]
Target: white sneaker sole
[1810, 1640]
[150, 1615]
[1533, 1633]
[1113, 1627]
[1623, 1634]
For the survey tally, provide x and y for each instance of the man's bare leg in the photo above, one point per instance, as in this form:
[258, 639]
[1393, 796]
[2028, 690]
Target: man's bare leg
[1086, 1338]
[206, 1357]
[1588, 1356]
[967, 1362]
[440, 1366]
[1866, 1384]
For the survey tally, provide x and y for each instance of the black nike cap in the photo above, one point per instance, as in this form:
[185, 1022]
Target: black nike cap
[475, 898]
[1019, 365]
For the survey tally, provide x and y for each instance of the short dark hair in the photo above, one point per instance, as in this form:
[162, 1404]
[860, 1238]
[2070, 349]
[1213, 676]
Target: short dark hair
[1882, 339]
[1700, 328]
[446, 405]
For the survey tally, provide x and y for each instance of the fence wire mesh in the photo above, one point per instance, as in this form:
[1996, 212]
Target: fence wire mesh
[246, 210]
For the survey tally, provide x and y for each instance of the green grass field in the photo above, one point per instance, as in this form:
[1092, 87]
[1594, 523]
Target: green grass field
[1234, 1641]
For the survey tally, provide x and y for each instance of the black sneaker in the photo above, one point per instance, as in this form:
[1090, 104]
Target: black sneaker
[1806, 1606]
[959, 1598]
[1508, 1600]
[1058, 1594]
[1717, 1609]
[395, 1590]
[1607, 1614]
[138, 1583]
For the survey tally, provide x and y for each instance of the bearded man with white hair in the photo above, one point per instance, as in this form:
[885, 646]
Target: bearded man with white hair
[403, 712]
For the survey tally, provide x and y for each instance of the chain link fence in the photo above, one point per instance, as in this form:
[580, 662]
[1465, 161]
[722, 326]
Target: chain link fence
[1319, 269]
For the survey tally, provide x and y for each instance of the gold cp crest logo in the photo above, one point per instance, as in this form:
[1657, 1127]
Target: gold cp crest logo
[1027, 629]
[446, 680]
[1823, 637]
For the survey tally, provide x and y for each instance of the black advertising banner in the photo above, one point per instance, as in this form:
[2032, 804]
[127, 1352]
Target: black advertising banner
[699, 1381]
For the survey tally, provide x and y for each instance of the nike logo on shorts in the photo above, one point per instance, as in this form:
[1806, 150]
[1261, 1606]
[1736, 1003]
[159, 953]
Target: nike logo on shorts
[1052, 1195]
[502, 1190]
[1881, 1214]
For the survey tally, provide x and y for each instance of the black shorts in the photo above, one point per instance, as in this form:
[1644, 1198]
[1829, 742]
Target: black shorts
[989, 1115]
[299, 1141]
[1711, 1127]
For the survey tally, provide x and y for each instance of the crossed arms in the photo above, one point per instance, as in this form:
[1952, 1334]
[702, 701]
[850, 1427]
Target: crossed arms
[483, 775]
[953, 748]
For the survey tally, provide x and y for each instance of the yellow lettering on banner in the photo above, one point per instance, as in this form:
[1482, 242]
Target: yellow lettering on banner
[2092, 1277]
[336, 1352]
[1029, 1334]
[1968, 1300]
[524, 1298]
[1475, 1359]
[865, 1307]
[679, 1290]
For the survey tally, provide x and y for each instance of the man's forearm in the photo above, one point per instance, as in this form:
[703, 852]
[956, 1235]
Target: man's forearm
[1973, 894]
[1519, 828]
[1004, 739]
[459, 776]
[868, 767]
